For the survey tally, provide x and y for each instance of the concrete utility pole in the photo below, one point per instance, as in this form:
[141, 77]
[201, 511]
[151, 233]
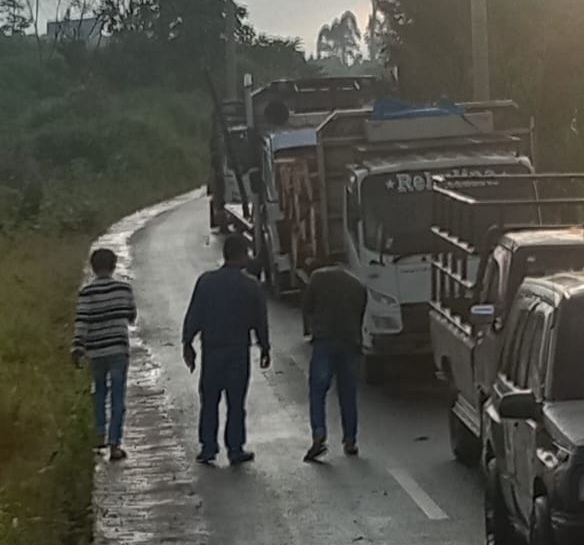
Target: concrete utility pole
[480, 48]
[231, 64]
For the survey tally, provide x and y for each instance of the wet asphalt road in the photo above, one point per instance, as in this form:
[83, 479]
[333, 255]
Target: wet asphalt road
[404, 490]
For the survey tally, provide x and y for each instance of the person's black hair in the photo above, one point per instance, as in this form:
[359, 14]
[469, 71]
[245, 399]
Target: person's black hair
[235, 248]
[103, 261]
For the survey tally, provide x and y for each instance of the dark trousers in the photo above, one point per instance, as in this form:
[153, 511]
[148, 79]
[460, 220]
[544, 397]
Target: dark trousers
[223, 370]
[329, 360]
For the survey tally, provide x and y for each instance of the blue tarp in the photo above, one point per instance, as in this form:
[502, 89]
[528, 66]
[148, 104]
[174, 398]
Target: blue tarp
[389, 108]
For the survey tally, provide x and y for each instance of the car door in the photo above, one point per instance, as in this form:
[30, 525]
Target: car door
[537, 346]
[487, 350]
[503, 430]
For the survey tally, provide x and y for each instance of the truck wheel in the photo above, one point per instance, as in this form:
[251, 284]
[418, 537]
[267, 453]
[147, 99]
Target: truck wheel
[374, 370]
[465, 446]
[540, 529]
[497, 526]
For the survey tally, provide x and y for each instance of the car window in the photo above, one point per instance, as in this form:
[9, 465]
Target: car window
[528, 349]
[535, 376]
[513, 341]
[490, 290]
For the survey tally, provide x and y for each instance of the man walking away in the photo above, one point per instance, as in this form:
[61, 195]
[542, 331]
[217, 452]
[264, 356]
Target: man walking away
[334, 303]
[226, 306]
[105, 309]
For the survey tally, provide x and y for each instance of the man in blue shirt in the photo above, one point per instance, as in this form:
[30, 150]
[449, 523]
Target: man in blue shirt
[227, 305]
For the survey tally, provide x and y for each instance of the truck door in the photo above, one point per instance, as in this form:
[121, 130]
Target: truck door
[487, 350]
[503, 429]
[530, 377]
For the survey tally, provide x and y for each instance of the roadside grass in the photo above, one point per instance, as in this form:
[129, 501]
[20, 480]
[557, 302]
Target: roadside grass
[72, 166]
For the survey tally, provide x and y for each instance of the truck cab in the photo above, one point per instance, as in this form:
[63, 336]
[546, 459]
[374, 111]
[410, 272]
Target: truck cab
[485, 246]
[533, 420]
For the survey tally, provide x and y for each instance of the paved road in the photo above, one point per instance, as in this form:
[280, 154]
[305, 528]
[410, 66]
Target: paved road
[404, 490]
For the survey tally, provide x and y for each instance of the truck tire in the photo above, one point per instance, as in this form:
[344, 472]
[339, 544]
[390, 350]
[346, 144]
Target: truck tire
[498, 528]
[374, 370]
[465, 446]
[540, 528]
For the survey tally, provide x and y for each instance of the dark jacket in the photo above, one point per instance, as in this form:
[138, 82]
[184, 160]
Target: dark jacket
[227, 304]
[334, 303]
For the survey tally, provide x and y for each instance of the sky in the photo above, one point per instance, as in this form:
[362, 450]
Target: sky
[302, 18]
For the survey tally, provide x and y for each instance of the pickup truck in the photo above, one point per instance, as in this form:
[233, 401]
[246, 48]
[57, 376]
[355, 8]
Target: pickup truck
[489, 235]
[533, 421]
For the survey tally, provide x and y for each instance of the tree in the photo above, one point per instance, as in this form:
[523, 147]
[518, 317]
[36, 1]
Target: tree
[341, 39]
[13, 18]
[431, 44]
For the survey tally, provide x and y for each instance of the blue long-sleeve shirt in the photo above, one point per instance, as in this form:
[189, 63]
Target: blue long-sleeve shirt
[227, 305]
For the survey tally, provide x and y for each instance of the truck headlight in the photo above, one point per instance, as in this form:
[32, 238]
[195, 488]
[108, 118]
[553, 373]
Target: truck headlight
[387, 300]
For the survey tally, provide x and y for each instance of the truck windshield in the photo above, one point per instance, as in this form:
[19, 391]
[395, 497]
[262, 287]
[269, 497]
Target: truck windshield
[398, 207]
[567, 382]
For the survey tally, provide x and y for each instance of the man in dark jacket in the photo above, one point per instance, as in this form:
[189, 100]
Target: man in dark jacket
[334, 304]
[226, 306]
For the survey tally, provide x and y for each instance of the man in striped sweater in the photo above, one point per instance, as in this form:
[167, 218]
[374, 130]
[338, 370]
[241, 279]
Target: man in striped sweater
[105, 309]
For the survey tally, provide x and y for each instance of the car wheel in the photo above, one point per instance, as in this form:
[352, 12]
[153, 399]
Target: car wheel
[497, 526]
[540, 530]
[465, 446]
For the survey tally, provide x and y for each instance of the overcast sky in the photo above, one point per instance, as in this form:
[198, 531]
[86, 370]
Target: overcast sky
[302, 18]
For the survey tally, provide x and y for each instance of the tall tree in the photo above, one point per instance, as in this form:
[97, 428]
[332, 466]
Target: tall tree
[341, 39]
[13, 17]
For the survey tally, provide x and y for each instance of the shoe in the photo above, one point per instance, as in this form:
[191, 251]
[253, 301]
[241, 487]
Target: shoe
[317, 450]
[351, 448]
[242, 457]
[117, 454]
[206, 459]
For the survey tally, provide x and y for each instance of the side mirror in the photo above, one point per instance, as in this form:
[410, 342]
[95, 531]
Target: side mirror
[519, 406]
[482, 316]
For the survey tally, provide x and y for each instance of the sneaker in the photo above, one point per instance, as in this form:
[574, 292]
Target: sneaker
[318, 449]
[242, 457]
[351, 448]
[205, 459]
[117, 454]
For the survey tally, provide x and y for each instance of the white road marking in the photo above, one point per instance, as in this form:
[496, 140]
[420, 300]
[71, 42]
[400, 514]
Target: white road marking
[418, 494]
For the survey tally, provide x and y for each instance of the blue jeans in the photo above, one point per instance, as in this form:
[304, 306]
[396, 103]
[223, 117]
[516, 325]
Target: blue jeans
[116, 368]
[223, 369]
[332, 359]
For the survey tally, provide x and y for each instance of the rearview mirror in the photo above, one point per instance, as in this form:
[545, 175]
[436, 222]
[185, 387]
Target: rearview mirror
[482, 316]
[519, 406]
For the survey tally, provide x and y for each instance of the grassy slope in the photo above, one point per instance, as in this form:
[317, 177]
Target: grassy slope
[90, 158]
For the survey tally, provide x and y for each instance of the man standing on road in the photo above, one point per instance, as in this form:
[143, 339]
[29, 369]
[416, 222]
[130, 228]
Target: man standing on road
[227, 304]
[334, 303]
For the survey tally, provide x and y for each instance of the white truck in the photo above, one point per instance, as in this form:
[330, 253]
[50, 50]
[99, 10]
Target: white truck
[355, 185]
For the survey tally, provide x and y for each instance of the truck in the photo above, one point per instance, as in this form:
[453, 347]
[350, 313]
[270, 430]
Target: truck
[489, 235]
[354, 185]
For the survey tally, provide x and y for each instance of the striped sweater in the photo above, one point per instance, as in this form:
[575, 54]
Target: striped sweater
[105, 309]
